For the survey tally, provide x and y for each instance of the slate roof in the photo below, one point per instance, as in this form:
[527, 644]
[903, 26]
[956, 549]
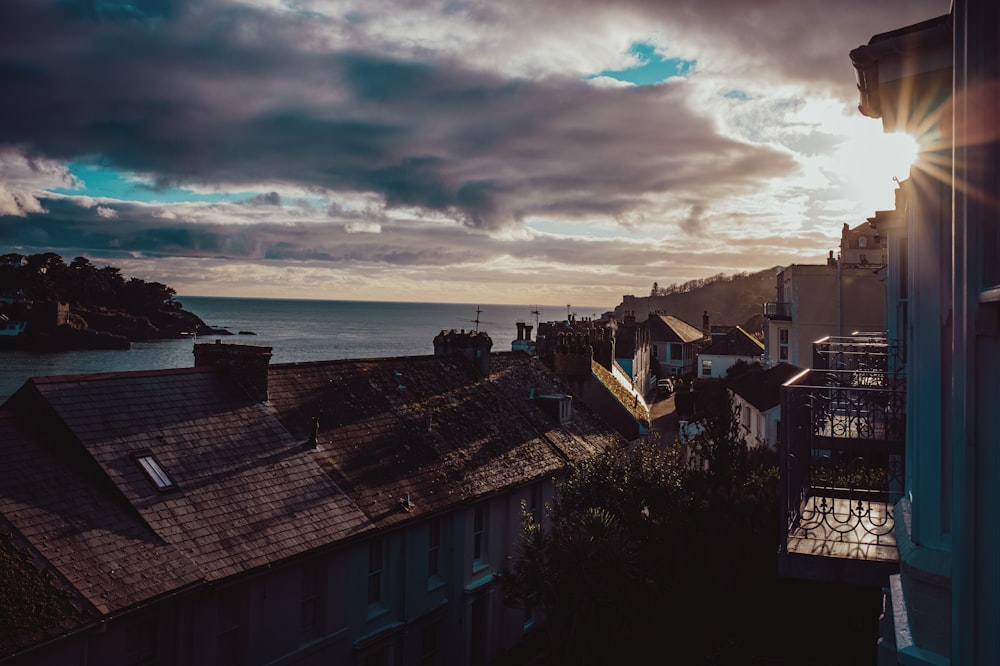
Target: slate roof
[736, 342]
[668, 328]
[428, 427]
[247, 494]
[763, 389]
[250, 489]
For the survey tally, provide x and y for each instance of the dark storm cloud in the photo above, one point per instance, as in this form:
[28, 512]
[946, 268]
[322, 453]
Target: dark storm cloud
[199, 93]
[140, 230]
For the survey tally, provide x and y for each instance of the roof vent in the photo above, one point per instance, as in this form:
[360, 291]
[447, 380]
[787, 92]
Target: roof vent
[313, 432]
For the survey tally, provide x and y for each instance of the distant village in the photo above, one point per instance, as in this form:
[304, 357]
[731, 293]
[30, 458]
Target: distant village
[376, 511]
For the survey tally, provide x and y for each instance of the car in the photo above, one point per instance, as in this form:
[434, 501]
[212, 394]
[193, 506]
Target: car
[665, 386]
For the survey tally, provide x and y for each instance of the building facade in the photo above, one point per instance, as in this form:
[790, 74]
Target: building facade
[674, 344]
[815, 301]
[937, 81]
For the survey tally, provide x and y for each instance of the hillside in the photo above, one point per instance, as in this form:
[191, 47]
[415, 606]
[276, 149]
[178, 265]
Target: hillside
[730, 300]
[48, 305]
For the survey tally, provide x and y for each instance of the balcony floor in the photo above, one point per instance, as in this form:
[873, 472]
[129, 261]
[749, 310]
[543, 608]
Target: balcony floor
[835, 542]
[835, 527]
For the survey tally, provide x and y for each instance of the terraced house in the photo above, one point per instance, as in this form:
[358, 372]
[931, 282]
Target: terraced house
[239, 512]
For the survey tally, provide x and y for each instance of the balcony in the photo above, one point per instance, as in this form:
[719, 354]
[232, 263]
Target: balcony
[842, 448]
[777, 310]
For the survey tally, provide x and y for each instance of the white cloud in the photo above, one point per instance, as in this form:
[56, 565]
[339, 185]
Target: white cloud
[363, 228]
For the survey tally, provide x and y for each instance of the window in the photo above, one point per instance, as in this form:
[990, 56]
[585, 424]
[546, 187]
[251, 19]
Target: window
[378, 658]
[433, 547]
[154, 471]
[376, 563]
[862, 241]
[428, 645]
[676, 352]
[532, 504]
[313, 599]
[782, 344]
[479, 534]
[141, 644]
[706, 368]
[231, 636]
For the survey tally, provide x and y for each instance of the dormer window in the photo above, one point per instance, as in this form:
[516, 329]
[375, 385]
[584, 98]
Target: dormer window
[151, 466]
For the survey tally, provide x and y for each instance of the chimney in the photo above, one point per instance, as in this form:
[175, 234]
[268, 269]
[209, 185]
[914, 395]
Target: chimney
[705, 327]
[474, 345]
[246, 364]
[520, 330]
[527, 332]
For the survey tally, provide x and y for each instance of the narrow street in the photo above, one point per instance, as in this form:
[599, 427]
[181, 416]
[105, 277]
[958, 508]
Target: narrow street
[663, 420]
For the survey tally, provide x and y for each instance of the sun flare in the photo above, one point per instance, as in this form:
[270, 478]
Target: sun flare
[872, 162]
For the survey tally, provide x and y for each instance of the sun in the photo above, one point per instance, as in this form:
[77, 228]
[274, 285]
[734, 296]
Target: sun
[872, 162]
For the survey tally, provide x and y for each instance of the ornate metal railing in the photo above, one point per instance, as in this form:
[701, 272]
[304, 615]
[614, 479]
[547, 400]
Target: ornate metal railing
[861, 353]
[842, 442]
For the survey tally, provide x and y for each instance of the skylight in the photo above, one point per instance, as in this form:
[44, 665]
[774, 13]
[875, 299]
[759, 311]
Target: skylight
[151, 466]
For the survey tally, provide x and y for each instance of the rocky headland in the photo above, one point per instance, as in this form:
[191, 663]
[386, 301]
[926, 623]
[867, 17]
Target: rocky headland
[48, 305]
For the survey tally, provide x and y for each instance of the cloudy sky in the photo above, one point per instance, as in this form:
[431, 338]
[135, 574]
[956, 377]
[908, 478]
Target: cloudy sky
[512, 151]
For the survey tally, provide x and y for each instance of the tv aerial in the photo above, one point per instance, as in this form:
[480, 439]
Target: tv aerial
[477, 321]
[536, 310]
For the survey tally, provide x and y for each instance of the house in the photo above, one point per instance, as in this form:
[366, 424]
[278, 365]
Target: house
[757, 396]
[674, 344]
[815, 301]
[632, 350]
[726, 349]
[349, 512]
[862, 245]
[584, 360]
[924, 406]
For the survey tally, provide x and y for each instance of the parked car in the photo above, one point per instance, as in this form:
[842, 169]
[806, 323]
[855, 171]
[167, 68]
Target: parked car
[664, 387]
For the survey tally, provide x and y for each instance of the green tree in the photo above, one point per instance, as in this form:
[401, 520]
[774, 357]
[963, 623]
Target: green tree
[644, 556]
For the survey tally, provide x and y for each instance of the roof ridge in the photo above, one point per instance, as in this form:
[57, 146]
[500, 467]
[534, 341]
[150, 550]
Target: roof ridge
[99, 376]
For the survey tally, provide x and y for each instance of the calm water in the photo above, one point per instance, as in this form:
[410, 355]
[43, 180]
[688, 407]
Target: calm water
[298, 330]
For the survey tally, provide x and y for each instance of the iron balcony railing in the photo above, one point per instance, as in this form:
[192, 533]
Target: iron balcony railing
[777, 310]
[842, 440]
[869, 355]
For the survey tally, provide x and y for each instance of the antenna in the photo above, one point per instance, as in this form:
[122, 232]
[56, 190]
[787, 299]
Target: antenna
[477, 321]
[537, 310]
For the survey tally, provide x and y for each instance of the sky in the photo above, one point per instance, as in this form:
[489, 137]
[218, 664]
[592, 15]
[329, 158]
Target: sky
[567, 151]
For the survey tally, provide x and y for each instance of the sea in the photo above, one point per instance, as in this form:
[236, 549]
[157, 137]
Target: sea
[298, 330]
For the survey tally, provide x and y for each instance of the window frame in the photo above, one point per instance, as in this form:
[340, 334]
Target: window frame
[154, 471]
[376, 569]
[480, 520]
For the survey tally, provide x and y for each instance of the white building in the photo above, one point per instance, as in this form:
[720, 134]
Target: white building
[726, 350]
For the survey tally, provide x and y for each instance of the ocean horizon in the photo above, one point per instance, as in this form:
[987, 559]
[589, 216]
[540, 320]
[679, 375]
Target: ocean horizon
[297, 330]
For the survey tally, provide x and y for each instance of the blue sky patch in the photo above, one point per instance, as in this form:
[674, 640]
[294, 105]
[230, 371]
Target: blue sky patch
[653, 68]
[737, 94]
[101, 181]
